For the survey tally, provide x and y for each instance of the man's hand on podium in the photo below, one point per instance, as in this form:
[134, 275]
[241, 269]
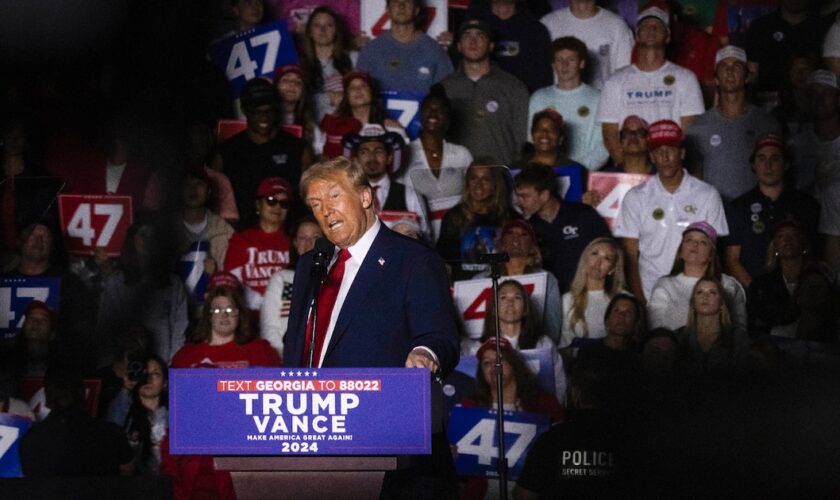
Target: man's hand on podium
[420, 357]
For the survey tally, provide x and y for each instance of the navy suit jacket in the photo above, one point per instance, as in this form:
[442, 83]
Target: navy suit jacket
[399, 300]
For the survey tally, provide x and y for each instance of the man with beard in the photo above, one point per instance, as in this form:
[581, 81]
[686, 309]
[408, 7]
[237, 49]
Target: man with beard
[377, 152]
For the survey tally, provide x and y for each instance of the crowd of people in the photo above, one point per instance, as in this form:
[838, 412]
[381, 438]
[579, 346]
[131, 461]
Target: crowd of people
[722, 258]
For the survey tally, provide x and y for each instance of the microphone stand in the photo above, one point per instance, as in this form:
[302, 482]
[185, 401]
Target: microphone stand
[496, 260]
[323, 253]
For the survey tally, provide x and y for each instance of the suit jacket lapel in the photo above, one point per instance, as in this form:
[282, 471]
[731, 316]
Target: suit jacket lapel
[370, 275]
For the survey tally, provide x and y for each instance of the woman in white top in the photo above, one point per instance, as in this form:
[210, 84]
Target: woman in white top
[436, 167]
[599, 278]
[696, 258]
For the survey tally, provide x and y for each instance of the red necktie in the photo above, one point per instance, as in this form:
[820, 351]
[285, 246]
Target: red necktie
[326, 302]
[377, 207]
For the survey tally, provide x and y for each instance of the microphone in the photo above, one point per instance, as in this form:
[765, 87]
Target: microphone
[324, 250]
[493, 258]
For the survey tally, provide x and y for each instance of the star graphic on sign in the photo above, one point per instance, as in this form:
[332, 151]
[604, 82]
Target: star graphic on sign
[299, 373]
[381, 261]
[306, 373]
[282, 374]
[314, 374]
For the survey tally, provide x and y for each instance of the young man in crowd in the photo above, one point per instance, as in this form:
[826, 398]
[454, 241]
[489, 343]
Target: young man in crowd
[654, 215]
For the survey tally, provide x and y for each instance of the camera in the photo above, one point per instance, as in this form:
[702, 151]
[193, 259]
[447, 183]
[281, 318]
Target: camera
[136, 370]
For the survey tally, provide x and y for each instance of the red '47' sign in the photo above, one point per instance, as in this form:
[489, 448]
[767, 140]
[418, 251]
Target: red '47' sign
[90, 221]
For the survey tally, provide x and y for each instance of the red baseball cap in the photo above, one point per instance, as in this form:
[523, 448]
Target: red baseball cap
[274, 185]
[664, 133]
[490, 343]
[224, 278]
[769, 140]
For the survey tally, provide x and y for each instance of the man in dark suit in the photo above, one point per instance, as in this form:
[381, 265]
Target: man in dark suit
[392, 305]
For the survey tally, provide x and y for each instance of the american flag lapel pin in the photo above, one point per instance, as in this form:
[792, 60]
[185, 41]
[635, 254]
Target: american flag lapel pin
[381, 261]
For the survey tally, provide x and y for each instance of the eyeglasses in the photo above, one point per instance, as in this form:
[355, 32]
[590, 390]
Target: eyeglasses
[642, 133]
[273, 202]
[227, 311]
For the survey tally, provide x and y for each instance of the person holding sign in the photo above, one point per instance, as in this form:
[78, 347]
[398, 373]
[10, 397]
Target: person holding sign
[521, 393]
[520, 243]
[520, 328]
[598, 279]
[385, 303]
[404, 58]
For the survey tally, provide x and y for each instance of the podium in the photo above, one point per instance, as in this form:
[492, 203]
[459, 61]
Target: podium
[327, 433]
[348, 477]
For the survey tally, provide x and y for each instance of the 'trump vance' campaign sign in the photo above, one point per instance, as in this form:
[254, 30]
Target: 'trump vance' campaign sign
[273, 411]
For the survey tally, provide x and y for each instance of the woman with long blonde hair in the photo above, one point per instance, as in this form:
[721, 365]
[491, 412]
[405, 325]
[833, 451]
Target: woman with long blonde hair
[710, 341]
[599, 278]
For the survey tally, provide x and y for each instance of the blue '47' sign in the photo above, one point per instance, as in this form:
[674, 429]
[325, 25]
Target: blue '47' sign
[15, 295]
[473, 431]
[256, 52]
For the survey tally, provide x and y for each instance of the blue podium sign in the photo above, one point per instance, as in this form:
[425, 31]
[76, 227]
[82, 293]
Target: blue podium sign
[369, 411]
[473, 431]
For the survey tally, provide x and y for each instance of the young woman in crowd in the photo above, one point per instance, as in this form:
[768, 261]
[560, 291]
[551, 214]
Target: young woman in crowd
[326, 51]
[223, 338]
[521, 392]
[470, 227]
[436, 167]
[295, 104]
[519, 326]
[696, 258]
[710, 342]
[547, 138]
[140, 408]
[361, 105]
[599, 278]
